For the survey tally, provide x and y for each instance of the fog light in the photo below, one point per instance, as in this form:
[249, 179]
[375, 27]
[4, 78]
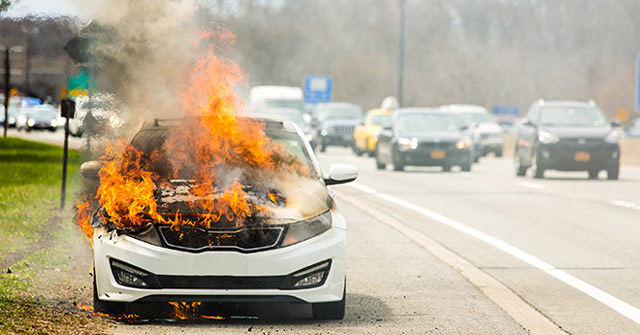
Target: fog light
[310, 280]
[129, 276]
[312, 276]
[545, 154]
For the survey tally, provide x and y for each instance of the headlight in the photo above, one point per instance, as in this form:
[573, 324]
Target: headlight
[462, 144]
[31, 122]
[309, 137]
[547, 137]
[407, 144]
[147, 234]
[53, 123]
[12, 120]
[324, 132]
[304, 230]
[612, 137]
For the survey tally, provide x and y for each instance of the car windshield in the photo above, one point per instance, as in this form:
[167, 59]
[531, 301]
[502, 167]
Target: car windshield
[289, 115]
[572, 117]
[340, 113]
[42, 112]
[284, 103]
[149, 140]
[380, 119]
[426, 122]
[478, 118]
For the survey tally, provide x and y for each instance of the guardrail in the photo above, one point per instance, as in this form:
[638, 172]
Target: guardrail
[629, 149]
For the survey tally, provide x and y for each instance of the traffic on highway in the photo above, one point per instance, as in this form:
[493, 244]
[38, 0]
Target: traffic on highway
[278, 167]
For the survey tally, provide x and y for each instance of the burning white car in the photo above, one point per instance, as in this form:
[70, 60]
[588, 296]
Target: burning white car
[273, 239]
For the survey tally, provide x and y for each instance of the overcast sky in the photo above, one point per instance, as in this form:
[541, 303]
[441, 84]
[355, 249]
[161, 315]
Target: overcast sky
[42, 8]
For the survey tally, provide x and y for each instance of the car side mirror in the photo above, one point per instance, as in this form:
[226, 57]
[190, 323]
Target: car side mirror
[528, 123]
[90, 169]
[341, 174]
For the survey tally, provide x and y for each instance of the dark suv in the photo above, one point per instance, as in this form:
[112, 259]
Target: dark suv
[567, 136]
[336, 122]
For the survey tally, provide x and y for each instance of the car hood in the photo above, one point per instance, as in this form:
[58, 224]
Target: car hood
[445, 136]
[296, 198]
[579, 132]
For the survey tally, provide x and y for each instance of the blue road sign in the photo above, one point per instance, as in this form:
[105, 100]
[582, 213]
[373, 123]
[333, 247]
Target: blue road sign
[317, 89]
[638, 84]
[506, 114]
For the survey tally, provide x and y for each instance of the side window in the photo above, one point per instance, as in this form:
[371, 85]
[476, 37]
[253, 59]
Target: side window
[532, 115]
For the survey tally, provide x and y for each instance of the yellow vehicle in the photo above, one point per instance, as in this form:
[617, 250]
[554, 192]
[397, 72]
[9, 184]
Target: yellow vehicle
[366, 134]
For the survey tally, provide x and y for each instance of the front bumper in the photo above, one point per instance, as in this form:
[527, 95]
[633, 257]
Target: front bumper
[424, 157]
[330, 245]
[564, 156]
[337, 139]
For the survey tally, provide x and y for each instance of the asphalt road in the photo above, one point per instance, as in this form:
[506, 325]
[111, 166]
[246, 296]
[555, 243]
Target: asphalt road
[563, 250]
[584, 231]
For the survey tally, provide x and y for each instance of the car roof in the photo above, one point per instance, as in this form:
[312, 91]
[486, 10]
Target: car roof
[462, 108]
[565, 103]
[379, 111]
[338, 104]
[417, 110]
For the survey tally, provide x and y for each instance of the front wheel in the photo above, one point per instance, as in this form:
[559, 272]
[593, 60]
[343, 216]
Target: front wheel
[521, 170]
[466, 167]
[499, 153]
[330, 310]
[398, 165]
[593, 174]
[612, 173]
[379, 165]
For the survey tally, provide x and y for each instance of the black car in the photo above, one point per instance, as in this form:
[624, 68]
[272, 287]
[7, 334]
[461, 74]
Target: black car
[567, 136]
[424, 137]
[335, 123]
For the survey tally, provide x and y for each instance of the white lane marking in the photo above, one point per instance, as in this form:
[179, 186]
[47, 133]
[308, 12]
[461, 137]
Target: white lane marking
[625, 204]
[519, 310]
[531, 185]
[625, 309]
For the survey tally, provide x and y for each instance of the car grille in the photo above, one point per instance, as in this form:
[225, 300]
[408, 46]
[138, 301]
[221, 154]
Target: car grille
[199, 239]
[431, 146]
[576, 144]
[221, 282]
[343, 129]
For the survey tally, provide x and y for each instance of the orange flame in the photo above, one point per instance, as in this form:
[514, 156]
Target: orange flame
[83, 211]
[210, 142]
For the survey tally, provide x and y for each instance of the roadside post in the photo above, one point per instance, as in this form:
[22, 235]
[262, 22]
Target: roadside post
[7, 83]
[68, 109]
[638, 84]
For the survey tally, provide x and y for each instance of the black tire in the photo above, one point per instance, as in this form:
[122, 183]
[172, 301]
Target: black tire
[356, 150]
[521, 170]
[499, 153]
[466, 167]
[323, 146]
[330, 310]
[613, 173]
[538, 172]
[446, 168]
[593, 174]
[476, 159]
[379, 165]
[398, 165]
[106, 307]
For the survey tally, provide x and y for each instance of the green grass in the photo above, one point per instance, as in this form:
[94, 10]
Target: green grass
[30, 180]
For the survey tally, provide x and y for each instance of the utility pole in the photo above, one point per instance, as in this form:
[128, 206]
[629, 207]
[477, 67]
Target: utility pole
[7, 83]
[403, 4]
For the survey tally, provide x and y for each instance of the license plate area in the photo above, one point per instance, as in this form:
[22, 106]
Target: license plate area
[582, 156]
[438, 154]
